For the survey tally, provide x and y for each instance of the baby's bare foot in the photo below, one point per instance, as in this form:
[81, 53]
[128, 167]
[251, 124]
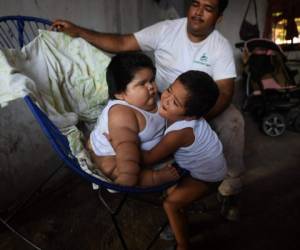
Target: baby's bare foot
[165, 174]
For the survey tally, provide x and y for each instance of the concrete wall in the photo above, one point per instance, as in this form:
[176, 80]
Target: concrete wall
[232, 19]
[25, 155]
[104, 15]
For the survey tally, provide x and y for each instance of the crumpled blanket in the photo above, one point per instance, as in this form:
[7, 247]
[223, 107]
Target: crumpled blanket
[65, 76]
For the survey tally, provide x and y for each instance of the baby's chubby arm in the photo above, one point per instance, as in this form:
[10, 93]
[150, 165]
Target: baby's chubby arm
[123, 133]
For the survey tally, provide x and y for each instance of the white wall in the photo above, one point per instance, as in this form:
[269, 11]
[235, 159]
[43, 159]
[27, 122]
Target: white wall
[232, 20]
[229, 27]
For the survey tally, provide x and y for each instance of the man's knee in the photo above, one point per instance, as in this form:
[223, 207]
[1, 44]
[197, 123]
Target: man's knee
[230, 129]
[233, 119]
[237, 120]
[229, 124]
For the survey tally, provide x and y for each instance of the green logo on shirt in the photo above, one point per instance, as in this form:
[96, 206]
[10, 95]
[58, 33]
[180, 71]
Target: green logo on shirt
[203, 60]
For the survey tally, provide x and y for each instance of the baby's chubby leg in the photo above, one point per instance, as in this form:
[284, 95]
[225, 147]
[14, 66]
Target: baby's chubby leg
[106, 164]
[150, 177]
[165, 174]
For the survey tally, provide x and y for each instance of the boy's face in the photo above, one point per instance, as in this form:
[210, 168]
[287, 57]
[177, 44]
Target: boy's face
[141, 91]
[173, 101]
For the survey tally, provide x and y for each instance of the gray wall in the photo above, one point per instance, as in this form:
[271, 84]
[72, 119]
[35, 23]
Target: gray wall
[25, 155]
[232, 20]
[103, 15]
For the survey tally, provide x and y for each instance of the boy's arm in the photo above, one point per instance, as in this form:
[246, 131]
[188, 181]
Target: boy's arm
[123, 131]
[168, 145]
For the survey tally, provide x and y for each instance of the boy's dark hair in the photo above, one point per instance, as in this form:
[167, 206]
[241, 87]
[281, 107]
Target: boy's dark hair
[122, 68]
[203, 92]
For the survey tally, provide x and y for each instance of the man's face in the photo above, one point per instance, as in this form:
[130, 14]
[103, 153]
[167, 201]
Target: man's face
[202, 17]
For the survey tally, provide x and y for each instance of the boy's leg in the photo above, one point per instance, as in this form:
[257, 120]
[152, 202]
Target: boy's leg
[187, 191]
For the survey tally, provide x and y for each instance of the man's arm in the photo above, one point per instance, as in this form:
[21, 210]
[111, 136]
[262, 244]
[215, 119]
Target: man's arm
[112, 43]
[226, 88]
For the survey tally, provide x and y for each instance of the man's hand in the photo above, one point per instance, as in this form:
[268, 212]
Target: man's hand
[67, 27]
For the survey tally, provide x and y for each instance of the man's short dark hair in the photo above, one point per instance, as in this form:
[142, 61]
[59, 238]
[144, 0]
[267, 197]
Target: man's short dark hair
[122, 68]
[203, 92]
[222, 6]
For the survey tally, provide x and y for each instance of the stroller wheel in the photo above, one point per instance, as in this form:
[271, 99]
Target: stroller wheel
[297, 124]
[274, 124]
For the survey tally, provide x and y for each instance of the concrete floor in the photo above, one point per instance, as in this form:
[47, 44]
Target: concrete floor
[71, 216]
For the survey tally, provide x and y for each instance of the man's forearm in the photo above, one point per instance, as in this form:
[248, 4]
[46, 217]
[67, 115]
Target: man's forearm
[112, 43]
[222, 103]
[226, 89]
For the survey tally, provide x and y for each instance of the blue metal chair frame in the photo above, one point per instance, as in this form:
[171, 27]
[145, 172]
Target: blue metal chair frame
[60, 144]
[15, 32]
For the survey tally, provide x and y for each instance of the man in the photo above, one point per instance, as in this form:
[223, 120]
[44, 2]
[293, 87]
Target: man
[190, 43]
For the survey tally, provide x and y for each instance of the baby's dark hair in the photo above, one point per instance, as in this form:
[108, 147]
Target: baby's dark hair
[122, 68]
[203, 92]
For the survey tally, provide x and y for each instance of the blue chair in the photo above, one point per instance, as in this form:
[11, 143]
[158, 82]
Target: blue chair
[17, 31]
[60, 144]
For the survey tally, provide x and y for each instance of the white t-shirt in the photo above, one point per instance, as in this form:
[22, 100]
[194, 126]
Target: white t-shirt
[175, 53]
[149, 136]
[204, 157]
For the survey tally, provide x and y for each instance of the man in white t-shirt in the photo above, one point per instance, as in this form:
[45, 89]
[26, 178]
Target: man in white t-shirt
[190, 43]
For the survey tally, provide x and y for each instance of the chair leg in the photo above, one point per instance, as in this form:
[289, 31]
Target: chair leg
[23, 204]
[113, 213]
[34, 192]
[119, 232]
[19, 234]
[157, 235]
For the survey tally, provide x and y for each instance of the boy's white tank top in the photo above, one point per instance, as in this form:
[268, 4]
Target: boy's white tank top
[149, 136]
[204, 157]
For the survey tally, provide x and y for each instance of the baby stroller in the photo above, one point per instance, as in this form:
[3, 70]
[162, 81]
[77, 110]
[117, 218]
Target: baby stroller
[272, 95]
